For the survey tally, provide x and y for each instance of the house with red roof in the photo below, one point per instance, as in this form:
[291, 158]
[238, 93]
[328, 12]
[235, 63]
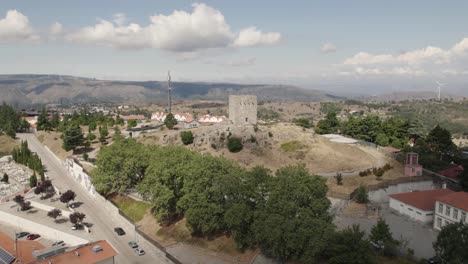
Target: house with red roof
[453, 172]
[451, 208]
[418, 205]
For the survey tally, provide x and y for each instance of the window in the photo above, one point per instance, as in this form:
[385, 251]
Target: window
[455, 213]
[441, 208]
[418, 212]
[439, 222]
[463, 218]
[410, 209]
[246, 119]
[448, 210]
[429, 214]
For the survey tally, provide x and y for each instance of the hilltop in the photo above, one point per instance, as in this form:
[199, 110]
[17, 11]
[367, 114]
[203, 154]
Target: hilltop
[41, 89]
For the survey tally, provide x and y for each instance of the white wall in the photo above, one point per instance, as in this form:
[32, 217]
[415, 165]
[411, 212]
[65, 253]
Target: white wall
[45, 231]
[382, 195]
[79, 175]
[411, 211]
[448, 218]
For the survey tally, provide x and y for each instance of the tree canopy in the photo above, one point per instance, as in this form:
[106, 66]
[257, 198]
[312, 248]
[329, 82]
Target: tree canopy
[72, 137]
[170, 121]
[452, 242]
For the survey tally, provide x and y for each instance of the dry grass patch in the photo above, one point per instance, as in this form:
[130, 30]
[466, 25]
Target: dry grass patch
[7, 144]
[53, 141]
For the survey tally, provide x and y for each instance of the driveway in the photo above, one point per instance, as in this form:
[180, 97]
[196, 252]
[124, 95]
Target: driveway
[103, 226]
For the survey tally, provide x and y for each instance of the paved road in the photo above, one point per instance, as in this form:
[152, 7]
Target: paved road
[103, 226]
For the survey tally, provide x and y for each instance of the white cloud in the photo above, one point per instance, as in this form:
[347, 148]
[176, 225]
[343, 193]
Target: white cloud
[251, 36]
[180, 31]
[328, 48]
[15, 27]
[425, 61]
[55, 29]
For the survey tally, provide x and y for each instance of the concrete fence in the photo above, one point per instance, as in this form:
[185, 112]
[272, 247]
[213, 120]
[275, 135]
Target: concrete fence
[45, 231]
[113, 212]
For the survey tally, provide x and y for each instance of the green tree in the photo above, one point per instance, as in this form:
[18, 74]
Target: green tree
[10, 121]
[303, 122]
[235, 144]
[451, 243]
[294, 221]
[170, 121]
[361, 195]
[42, 121]
[328, 125]
[382, 139]
[90, 137]
[349, 246]
[5, 178]
[187, 137]
[440, 139]
[120, 166]
[55, 120]
[380, 233]
[339, 178]
[33, 180]
[103, 133]
[132, 123]
[72, 138]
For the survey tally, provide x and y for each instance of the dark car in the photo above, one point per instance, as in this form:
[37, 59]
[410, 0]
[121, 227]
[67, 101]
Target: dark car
[119, 231]
[21, 234]
[133, 244]
[33, 236]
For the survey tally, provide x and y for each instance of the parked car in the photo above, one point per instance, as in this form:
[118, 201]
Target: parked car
[139, 251]
[33, 236]
[119, 231]
[434, 260]
[21, 234]
[133, 244]
[58, 243]
[378, 245]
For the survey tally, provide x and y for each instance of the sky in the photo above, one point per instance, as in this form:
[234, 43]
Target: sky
[342, 46]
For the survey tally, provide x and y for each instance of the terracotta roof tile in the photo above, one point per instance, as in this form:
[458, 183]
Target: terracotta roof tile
[424, 200]
[456, 199]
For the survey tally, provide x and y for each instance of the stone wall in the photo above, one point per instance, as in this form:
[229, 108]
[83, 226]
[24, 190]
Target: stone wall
[243, 109]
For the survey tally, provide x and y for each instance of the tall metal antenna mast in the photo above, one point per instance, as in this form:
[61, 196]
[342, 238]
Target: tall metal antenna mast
[439, 86]
[169, 90]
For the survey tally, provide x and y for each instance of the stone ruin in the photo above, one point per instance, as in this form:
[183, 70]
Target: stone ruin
[18, 177]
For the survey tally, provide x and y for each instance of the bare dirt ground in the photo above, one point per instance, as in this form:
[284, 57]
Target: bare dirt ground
[288, 144]
[7, 144]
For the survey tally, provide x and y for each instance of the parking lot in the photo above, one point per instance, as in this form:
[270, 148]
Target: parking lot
[420, 237]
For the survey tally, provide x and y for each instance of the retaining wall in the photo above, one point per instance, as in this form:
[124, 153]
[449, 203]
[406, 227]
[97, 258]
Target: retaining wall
[45, 231]
[77, 172]
[382, 195]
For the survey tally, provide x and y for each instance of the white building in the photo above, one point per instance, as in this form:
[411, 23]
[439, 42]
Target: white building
[451, 208]
[180, 117]
[211, 119]
[418, 205]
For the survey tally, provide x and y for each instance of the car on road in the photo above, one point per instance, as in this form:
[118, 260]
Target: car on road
[58, 243]
[33, 236]
[133, 244]
[139, 251]
[21, 234]
[119, 231]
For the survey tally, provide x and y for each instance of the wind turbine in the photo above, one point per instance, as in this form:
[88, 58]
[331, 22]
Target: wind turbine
[439, 86]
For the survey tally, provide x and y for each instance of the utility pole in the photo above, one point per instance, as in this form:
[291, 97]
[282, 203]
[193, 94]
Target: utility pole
[169, 90]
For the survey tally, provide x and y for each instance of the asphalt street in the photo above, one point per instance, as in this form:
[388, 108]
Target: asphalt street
[103, 225]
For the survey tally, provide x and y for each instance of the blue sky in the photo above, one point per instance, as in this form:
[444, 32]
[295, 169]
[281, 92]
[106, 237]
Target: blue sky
[318, 44]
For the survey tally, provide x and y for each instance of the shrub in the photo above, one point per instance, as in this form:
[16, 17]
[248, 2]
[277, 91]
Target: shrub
[213, 146]
[235, 144]
[253, 139]
[85, 156]
[255, 128]
[339, 178]
[187, 137]
[361, 195]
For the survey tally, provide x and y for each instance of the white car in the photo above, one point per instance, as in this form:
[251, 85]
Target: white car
[139, 251]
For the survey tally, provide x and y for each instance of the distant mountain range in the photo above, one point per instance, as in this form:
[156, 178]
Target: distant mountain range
[41, 89]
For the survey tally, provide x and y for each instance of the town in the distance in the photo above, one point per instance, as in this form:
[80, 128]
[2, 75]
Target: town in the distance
[233, 133]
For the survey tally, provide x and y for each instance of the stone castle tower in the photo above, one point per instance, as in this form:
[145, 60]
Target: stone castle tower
[243, 109]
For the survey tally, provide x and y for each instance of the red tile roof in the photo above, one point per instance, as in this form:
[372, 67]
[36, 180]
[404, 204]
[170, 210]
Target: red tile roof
[452, 172]
[424, 200]
[24, 250]
[456, 199]
[83, 254]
